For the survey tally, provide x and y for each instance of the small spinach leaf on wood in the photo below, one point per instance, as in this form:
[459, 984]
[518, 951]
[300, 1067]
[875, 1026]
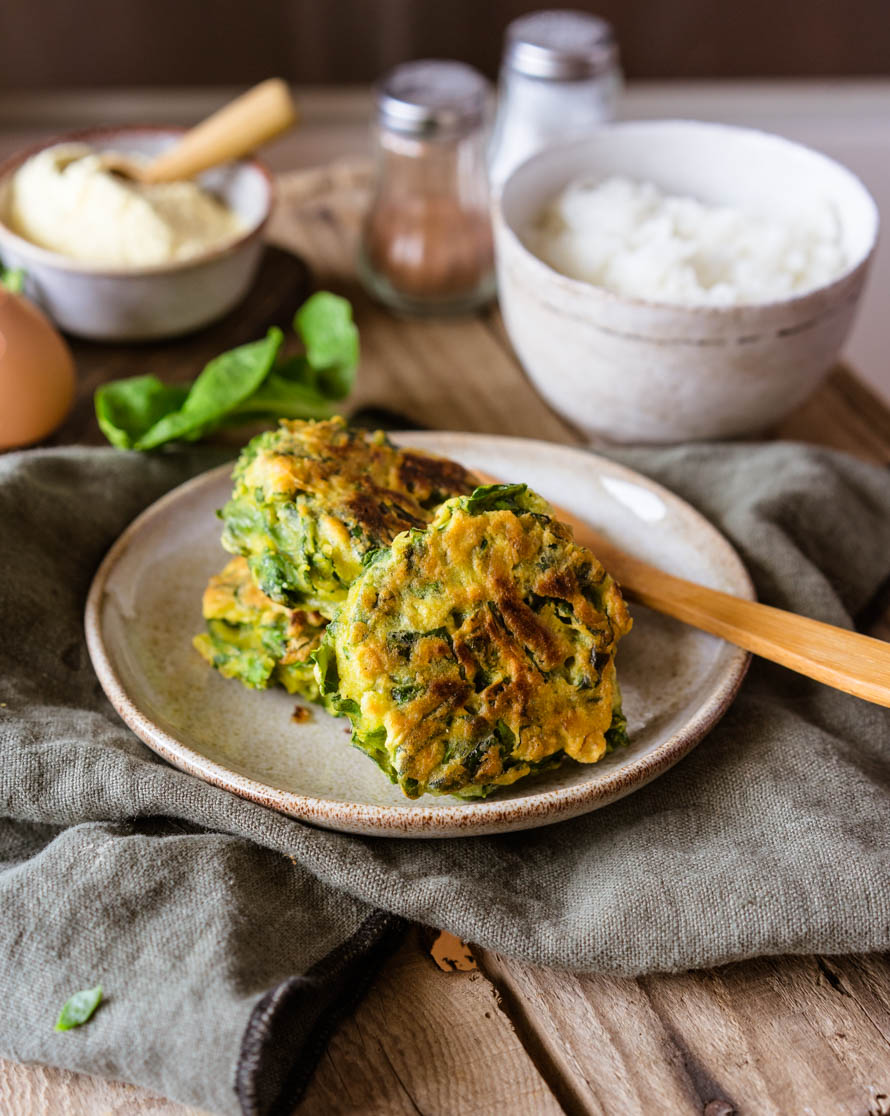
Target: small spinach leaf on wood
[226, 381]
[324, 323]
[128, 409]
[278, 397]
[242, 385]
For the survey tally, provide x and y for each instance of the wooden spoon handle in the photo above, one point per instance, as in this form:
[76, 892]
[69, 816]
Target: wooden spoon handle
[235, 130]
[848, 661]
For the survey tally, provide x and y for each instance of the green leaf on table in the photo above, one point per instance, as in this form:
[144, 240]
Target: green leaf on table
[242, 385]
[79, 1009]
[305, 386]
[128, 409]
[325, 326]
[279, 397]
[226, 382]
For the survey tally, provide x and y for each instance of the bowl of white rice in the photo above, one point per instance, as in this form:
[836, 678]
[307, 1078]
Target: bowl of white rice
[665, 281]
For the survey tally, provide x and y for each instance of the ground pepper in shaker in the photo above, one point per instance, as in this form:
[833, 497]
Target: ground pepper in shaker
[426, 245]
[560, 77]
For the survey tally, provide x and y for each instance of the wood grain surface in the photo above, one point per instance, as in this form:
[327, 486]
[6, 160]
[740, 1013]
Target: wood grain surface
[435, 1035]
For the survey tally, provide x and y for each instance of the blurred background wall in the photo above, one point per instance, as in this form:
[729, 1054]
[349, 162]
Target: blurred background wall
[220, 42]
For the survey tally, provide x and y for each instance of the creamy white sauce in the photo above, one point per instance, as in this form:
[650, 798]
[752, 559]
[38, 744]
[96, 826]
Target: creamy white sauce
[65, 200]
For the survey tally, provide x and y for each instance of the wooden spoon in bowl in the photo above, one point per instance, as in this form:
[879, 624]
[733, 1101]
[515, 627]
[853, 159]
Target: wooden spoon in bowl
[233, 131]
[857, 664]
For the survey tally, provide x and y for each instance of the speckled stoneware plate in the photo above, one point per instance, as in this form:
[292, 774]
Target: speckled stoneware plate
[145, 605]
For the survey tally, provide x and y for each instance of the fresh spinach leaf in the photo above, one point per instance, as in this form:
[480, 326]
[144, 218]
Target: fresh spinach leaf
[79, 1008]
[324, 323]
[303, 386]
[242, 385]
[128, 409]
[278, 397]
[226, 382]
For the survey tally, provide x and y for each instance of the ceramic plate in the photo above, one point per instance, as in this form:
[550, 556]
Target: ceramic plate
[145, 605]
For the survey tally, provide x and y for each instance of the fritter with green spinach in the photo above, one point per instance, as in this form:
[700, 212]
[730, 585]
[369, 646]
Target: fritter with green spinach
[255, 640]
[478, 650]
[311, 499]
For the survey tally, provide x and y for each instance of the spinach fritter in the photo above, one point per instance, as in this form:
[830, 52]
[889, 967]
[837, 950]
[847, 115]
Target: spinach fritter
[478, 650]
[254, 639]
[311, 499]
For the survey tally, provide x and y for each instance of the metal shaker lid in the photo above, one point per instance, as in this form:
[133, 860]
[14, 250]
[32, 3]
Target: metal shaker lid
[560, 45]
[432, 97]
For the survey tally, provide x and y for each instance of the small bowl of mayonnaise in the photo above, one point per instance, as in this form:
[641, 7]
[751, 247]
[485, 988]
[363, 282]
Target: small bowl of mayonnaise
[113, 259]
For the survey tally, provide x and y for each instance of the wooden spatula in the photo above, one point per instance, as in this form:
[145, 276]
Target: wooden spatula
[848, 661]
[235, 130]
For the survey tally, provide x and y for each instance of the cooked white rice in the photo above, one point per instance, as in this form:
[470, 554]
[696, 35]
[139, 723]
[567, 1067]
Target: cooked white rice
[631, 238]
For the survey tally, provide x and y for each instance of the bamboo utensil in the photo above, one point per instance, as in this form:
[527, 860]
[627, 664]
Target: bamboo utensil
[856, 664]
[235, 130]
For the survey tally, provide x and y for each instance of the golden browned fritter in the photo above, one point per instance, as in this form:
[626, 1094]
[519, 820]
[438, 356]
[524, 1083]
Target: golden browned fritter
[478, 650]
[312, 499]
[255, 640]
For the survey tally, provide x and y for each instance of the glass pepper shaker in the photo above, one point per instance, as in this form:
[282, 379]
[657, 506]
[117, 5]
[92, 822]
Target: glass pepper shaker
[426, 245]
[560, 77]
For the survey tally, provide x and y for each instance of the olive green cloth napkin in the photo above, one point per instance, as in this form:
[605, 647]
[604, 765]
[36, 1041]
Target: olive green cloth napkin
[229, 939]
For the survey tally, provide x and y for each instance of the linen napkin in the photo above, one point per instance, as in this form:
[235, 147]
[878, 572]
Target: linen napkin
[230, 939]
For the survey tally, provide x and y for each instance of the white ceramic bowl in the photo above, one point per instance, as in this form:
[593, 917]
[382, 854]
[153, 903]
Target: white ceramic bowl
[140, 304]
[624, 369]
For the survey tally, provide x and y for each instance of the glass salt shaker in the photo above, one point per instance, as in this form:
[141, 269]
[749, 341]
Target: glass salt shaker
[426, 245]
[560, 77]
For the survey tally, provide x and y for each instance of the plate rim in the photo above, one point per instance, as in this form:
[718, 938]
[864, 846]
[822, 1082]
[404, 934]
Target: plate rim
[487, 816]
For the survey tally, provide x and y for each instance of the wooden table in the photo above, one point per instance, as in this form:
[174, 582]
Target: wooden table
[465, 1030]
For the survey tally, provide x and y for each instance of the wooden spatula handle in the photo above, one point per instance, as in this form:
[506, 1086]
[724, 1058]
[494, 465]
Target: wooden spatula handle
[234, 131]
[848, 661]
